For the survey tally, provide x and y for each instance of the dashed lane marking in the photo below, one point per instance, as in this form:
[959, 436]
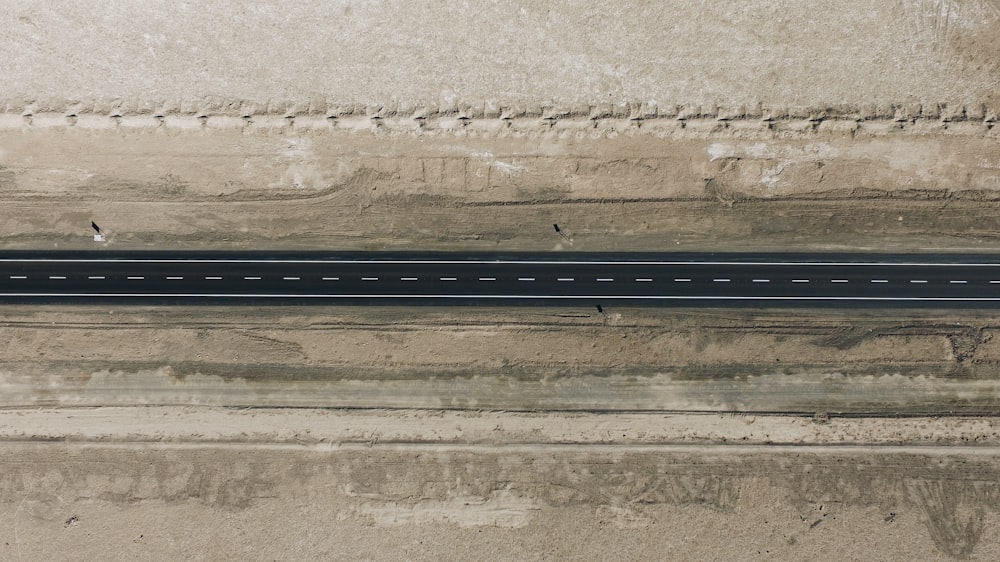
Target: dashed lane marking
[57, 276]
[642, 280]
[291, 278]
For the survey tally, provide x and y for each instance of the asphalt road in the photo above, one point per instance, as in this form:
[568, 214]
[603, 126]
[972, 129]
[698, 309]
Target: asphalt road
[516, 279]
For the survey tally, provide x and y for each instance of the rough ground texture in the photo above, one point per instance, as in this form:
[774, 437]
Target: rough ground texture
[297, 433]
[705, 184]
[777, 53]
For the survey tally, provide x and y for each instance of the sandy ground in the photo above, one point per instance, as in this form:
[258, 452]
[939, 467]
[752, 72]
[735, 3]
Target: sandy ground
[747, 185]
[510, 502]
[420, 484]
[749, 361]
[744, 52]
[366, 433]
[162, 433]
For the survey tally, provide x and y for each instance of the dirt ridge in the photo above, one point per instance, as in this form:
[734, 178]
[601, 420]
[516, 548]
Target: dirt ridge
[964, 121]
[986, 109]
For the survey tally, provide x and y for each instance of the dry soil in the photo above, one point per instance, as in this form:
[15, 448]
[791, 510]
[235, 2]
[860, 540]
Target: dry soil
[476, 433]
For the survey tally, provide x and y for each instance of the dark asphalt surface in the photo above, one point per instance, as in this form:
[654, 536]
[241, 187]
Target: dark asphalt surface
[843, 280]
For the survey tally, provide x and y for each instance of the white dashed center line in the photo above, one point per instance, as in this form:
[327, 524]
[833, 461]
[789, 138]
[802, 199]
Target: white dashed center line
[739, 280]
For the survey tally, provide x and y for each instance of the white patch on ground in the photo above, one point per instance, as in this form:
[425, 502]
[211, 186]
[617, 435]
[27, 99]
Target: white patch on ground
[508, 168]
[777, 157]
[302, 171]
[297, 149]
[770, 177]
[761, 150]
[718, 150]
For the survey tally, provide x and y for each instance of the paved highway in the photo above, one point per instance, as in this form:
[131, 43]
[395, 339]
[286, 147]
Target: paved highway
[439, 278]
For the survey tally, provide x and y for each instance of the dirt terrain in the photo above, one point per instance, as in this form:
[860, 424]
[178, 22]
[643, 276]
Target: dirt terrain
[293, 433]
[633, 360]
[611, 184]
